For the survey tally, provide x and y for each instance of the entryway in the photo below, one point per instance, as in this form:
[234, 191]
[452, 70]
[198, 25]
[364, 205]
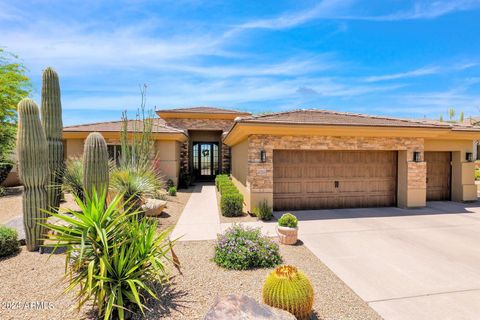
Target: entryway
[205, 160]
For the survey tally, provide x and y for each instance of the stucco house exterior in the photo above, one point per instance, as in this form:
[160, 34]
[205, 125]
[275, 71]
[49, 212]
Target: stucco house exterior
[311, 159]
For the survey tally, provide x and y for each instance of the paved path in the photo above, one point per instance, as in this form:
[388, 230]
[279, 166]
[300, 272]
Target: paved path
[200, 218]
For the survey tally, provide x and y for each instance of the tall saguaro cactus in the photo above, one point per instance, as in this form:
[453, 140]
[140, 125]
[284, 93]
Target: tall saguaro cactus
[53, 126]
[95, 164]
[32, 152]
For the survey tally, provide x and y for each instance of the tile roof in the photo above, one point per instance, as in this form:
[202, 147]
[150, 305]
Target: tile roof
[326, 117]
[159, 126]
[202, 109]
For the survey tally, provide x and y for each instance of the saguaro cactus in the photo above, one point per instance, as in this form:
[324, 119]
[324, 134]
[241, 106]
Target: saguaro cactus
[95, 164]
[32, 152]
[53, 126]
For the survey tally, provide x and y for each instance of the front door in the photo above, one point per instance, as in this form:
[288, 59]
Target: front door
[205, 160]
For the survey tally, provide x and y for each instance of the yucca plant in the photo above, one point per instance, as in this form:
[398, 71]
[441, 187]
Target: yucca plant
[73, 177]
[136, 183]
[111, 259]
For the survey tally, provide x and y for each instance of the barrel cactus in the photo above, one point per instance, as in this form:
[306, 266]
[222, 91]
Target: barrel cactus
[32, 152]
[95, 164]
[53, 126]
[289, 289]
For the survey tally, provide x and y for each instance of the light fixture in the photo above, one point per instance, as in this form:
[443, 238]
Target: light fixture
[416, 156]
[263, 156]
[469, 156]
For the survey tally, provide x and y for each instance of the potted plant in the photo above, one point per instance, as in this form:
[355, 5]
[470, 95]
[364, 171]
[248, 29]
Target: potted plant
[287, 229]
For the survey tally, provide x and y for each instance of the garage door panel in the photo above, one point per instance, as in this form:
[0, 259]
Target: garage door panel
[334, 179]
[438, 175]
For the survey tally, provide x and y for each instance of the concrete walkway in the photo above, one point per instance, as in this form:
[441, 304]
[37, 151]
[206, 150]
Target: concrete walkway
[200, 218]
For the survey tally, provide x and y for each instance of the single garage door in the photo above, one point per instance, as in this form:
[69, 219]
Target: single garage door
[439, 173]
[334, 179]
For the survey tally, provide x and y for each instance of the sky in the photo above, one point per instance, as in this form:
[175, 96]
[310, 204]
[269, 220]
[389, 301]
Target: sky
[398, 58]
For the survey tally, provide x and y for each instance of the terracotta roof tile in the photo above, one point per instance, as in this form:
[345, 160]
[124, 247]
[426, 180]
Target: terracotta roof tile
[159, 126]
[325, 117]
[202, 109]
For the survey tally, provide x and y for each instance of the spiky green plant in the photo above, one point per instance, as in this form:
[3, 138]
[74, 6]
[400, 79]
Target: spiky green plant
[73, 177]
[289, 289]
[32, 152]
[53, 127]
[95, 164]
[136, 182]
[113, 260]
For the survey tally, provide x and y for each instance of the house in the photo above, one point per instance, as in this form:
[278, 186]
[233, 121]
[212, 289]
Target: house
[186, 140]
[311, 159]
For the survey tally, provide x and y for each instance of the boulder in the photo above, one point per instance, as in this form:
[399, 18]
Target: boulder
[154, 207]
[241, 307]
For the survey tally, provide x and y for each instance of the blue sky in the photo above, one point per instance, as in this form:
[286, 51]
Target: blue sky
[400, 58]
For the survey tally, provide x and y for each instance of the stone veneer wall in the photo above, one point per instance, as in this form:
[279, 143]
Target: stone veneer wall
[202, 124]
[260, 175]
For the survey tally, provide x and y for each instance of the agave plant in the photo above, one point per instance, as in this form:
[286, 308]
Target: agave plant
[112, 259]
[136, 183]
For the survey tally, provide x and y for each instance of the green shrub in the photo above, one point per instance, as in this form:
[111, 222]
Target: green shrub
[225, 184]
[288, 220]
[221, 178]
[477, 174]
[113, 258]
[172, 191]
[3, 191]
[229, 189]
[231, 204]
[263, 211]
[170, 184]
[8, 241]
[244, 248]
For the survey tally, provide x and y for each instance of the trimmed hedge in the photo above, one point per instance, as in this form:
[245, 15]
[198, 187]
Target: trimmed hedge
[231, 201]
[8, 241]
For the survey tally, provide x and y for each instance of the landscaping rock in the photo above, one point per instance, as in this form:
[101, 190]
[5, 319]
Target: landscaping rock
[241, 307]
[17, 224]
[154, 207]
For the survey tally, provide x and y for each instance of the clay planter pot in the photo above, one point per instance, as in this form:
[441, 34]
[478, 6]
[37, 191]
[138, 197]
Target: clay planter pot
[287, 235]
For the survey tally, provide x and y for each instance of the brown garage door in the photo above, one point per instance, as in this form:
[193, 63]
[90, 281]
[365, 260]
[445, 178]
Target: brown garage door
[333, 179]
[438, 175]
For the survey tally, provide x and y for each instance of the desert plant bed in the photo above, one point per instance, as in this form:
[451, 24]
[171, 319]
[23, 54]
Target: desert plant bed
[189, 295]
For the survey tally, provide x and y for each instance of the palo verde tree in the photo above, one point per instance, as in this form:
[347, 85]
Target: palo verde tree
[14, 86]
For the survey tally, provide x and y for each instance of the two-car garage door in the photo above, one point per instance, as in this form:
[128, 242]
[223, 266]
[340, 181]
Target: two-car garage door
[334, 179]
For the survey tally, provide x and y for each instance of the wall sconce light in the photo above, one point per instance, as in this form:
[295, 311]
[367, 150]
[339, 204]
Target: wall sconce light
[469, 156]
[416, 156]
[263, 156]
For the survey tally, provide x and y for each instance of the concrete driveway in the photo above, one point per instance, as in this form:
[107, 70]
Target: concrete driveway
[407, 264]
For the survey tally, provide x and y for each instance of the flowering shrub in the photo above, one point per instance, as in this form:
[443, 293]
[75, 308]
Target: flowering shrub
[243, 248]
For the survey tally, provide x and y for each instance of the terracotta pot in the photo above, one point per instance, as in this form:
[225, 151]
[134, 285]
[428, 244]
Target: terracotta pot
[287, 235]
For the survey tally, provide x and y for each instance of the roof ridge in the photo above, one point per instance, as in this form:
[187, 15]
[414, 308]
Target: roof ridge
[362, 115]
[117, 121]
[193, 108]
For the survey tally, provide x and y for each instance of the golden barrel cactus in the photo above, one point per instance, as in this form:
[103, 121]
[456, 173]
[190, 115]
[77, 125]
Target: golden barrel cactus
[289, 289]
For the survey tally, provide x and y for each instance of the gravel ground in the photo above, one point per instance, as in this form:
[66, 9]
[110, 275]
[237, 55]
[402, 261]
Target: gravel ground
[193, 293]
[175, 205]
[31, 277]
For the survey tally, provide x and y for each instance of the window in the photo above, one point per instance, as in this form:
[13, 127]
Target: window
[114, 152]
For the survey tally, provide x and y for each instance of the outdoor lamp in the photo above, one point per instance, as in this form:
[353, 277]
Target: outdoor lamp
[469, 156]
[416, 156]
[263, 156]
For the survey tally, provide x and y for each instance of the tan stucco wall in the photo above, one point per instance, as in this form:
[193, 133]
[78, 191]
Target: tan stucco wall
[168, 152]
[239, 158]
[73, 148]
[463, 172]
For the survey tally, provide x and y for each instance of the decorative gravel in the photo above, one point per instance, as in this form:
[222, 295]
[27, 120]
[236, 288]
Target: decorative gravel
[175, 205]
[192, 293]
